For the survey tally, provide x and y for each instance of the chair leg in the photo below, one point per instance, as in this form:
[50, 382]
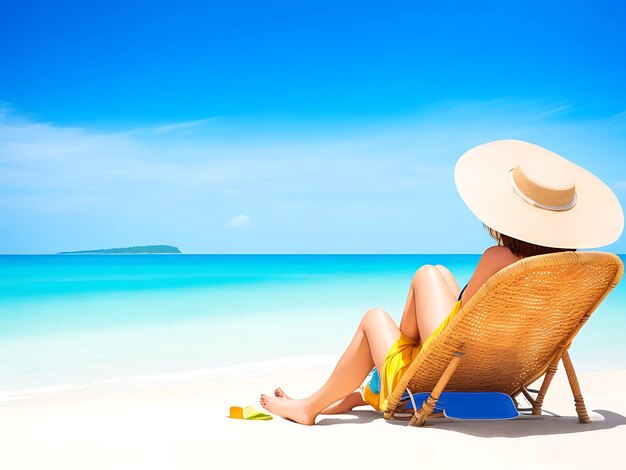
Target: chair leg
[583, 417]
[420, 416]
[547, 380]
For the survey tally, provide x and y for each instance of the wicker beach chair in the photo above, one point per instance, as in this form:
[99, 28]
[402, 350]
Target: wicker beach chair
[516, 328]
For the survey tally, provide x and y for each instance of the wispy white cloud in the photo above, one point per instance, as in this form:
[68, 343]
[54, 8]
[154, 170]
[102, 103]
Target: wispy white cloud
[5, 109]
[619, 120]
[184, 127]
[241, 220]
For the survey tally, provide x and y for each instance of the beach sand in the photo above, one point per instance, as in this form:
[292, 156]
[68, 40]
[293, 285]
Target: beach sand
[185, 426]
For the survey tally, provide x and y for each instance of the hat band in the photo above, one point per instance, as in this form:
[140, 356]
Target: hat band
[531, 201]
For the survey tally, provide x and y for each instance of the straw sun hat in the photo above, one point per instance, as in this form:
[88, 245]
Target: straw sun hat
[529, 193]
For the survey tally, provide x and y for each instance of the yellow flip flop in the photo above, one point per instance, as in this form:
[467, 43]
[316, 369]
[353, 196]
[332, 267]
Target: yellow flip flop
[249, 412]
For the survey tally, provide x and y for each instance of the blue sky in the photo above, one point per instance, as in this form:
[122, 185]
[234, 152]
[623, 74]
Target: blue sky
[289, 127]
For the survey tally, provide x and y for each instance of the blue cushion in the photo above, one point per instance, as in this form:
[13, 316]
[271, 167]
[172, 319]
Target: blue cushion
[470, 405]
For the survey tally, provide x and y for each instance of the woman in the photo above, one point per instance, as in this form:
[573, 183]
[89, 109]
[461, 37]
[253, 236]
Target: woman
[541, 201]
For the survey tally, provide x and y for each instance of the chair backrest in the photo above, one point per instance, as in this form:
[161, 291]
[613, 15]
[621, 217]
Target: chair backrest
[516, 323]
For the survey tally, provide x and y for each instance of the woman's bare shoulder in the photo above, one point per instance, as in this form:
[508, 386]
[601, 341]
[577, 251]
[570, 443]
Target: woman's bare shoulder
[498, 257]
[492, 260]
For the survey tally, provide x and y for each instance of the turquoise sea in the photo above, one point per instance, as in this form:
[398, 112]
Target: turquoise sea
[68, 322]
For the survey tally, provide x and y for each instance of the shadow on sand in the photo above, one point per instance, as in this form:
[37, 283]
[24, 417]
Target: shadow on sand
[525, 425]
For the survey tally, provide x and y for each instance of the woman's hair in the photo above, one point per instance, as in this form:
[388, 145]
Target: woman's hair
[520, 248]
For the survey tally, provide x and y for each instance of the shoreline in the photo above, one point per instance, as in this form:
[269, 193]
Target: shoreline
[218, 374]
[271, 367]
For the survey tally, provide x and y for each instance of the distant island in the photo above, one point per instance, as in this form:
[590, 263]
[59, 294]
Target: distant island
[148, 249]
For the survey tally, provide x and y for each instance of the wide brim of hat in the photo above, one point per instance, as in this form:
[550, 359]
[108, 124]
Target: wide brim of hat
[482, 177]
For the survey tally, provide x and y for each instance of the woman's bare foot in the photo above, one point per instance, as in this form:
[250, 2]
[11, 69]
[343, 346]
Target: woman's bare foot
[294, 410]
[278, 392]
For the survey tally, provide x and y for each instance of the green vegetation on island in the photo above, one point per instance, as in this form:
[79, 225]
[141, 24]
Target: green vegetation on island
[148, 249]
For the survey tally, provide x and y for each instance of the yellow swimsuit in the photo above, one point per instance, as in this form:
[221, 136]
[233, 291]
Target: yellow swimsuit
[398, 359]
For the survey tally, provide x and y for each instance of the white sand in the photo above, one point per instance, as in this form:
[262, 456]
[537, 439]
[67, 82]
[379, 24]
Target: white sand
[184, 427]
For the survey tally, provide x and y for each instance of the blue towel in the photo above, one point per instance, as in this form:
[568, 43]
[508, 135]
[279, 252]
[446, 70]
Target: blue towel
[374, 382]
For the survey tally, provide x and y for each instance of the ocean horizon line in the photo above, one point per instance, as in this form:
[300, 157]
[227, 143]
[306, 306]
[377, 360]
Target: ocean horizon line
[265, 254]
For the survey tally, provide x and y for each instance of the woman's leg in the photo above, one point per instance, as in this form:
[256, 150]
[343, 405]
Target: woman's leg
[356, 399]
[429, 301]
[369, 346]
[347, 403]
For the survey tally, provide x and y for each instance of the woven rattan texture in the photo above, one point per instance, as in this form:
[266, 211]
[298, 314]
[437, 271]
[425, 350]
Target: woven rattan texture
[516, 323]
